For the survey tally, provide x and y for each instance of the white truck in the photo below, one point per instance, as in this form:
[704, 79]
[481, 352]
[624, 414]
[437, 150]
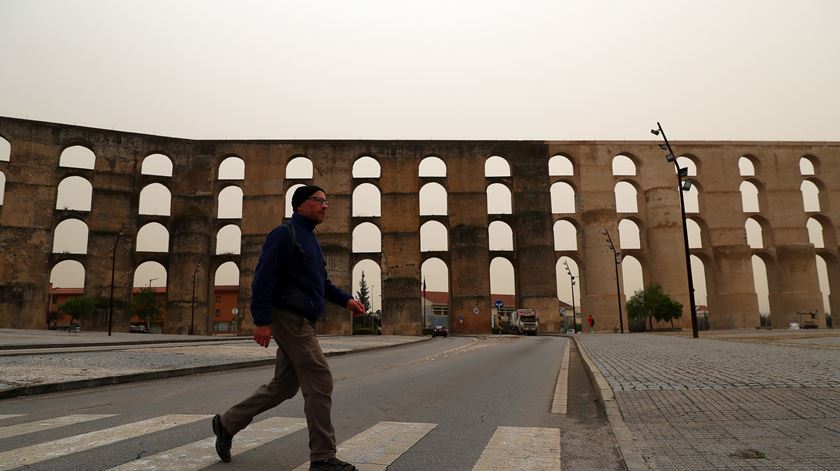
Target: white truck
[529, 323]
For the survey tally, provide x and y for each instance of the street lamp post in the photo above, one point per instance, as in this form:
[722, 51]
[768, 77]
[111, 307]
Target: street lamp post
[113, 269]
[617, 260]
[192, 307]
[572, 278]
[682, 185]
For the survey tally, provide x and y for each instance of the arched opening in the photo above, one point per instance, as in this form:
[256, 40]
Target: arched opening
[632, 275]
[226, 275]
[691, 198]
[623, 165]
[230, 203]
[232, 168]
[435, 287]
[502, 276]
[433, 237]
[825, 286]
[496, 166]
[807, 167]
[433, 200]
[2, 187]
[367, 238]
[754, 236]
[564, 282]
[749, 197]
[74, 194]
[366, 201]
[815, 233]
[562, 198]
[299, 168]
[500, 236]
[68, 274]
[626, 199]
[695, 236]
[290, 193]
[560, 166]
[629, 236]
[70, 236]
[77, 157]
[229, 240]
[366, 167]
[499, 199]
[762, 289]
[432, 167]
[155, 200]
[810, 196]
[152, 237]
[687, 163]
[227, 311]
[698, 276]
[156, 164]
[565, 236]
[746, 167]
[150, 275]
[373, 285]
[5, 150]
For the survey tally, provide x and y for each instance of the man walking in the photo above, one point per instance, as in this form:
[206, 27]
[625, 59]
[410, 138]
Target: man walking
[287, 297]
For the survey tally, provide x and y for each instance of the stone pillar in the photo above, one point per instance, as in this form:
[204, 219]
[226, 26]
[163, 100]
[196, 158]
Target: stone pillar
[735, 305]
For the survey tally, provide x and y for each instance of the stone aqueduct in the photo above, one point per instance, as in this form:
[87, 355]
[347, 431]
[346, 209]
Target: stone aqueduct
[28, 217]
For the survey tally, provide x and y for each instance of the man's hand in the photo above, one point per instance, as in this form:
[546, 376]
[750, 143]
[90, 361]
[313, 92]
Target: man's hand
[357, 307]
[262, 335]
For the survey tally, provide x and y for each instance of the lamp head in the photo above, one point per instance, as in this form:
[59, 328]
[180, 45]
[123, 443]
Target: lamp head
[686, 185]
[663, 146]
[682, 172]
[655, 132]
[670, 158]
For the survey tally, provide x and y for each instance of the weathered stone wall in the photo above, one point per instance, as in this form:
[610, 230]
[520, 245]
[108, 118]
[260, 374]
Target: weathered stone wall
[28, 218]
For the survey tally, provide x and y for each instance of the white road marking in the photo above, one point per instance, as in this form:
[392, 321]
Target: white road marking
[558, 405]
[202, 453]
[66, 446]
[10, 416]
[522, 449]
[379, 446]
[46, 424]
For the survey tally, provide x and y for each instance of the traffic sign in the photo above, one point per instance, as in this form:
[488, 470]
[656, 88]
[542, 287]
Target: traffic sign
[475, 310]
[499, 304]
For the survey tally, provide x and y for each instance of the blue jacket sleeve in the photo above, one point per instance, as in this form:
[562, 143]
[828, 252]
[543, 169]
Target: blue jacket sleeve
[334, 294]
[267, 274]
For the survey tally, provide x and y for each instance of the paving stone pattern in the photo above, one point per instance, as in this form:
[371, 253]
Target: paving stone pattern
[714, 404]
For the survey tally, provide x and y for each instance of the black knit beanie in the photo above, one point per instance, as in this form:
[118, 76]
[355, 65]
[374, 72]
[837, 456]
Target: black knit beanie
[302, 193]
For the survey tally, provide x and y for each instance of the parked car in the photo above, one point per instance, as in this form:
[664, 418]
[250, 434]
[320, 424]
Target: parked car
[440, 330]
[138, 328]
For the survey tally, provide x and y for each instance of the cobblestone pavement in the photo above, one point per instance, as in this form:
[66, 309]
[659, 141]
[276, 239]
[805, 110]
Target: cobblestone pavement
[768, 400]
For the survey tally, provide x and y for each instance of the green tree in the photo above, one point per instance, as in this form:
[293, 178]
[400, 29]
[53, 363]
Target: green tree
[80, 307]
[364, 293]
[144, 305]
[652, 303]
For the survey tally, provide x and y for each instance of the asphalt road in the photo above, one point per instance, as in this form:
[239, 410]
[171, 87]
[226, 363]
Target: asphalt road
[464, 387]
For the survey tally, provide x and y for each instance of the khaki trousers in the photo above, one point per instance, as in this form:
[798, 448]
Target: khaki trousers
[300, 365]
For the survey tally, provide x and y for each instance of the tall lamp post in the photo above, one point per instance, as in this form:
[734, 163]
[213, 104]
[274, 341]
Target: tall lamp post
[113, 269]
[572, 278]
[617, 260]
[192, 307]
[682, 185]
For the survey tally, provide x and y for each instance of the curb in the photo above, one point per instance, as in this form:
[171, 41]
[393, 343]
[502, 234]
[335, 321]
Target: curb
[633, 459]
[108, 344]
[162, 374]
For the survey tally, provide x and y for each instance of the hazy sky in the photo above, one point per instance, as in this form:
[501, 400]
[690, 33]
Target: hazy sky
[730, 70]
[738, 69]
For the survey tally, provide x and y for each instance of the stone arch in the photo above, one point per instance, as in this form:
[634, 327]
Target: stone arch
[808, 165]
[500, 236]
[149, 274]
[366, 167]
[232, 168]
[152, 237]
[560, 166]
[5, 150]
[499, 199]
[564, 285]
[828, 233]
[824, 280]
[632, 274]
[496, 166]
[68, 274]
[629, 235]
[75, 193]
[229, 240]
[289, 194]
[748, 166]
[753, 229]
[431, 166]
[761, 283]
[367, 201]
[433, 200]
[367, 238]
[299, 168]
[624, 165]
[502, 276]
[156, 164]
[688, 161]
[230, 203]
[691, 198]
[226, 274]
[626, 197]
[562, 198]
[698, 275]
[433, 237]
[811, 198]
[70, 236]
[155, 199]
[565, 235]
[749, 197]
[77, 157]
[435, 273]
[695, 234]
[2, 187]
[815, 233]
[373, 278]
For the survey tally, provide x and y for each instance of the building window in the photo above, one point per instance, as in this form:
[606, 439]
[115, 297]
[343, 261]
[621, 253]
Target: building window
[218, 312]
[218, 299]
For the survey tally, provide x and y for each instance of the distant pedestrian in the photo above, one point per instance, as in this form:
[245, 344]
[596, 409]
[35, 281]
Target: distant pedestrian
[287, 298]
[591, 321]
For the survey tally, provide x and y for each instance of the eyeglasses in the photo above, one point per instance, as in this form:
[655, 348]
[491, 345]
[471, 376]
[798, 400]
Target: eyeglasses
[319, 200]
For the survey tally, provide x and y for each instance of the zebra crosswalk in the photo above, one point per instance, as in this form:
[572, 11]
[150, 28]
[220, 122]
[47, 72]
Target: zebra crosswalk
[373, 449]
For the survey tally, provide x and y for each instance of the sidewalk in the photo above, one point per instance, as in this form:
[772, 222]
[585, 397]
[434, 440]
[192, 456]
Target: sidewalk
[41, 361]
[728, 400]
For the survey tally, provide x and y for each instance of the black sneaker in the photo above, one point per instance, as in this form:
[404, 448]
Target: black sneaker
[223, 439]
[332, 464]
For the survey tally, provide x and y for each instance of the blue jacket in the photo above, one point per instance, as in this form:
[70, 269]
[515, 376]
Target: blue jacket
[286, 273]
